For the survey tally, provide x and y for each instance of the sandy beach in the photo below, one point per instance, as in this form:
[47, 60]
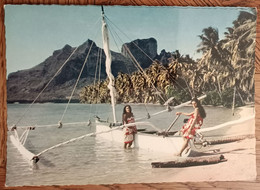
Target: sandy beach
[240, 164]
[240, 155]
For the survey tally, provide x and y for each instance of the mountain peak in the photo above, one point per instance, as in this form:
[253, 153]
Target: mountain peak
[25, 85]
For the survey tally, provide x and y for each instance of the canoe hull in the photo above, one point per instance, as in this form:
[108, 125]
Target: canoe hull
[25, 153]
[172, 144]
[151, 142]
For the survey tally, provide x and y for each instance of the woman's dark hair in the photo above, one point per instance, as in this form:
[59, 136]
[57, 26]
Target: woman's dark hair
[124, 110]
[201, 109]
[126, 114]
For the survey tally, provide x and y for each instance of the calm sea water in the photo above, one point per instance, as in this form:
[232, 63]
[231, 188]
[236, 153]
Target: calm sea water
[90, 160]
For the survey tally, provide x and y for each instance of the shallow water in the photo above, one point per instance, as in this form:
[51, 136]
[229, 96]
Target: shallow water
[90, 160]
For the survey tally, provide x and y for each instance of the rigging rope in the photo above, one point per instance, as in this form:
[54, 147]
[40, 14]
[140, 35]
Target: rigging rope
[51, 80]
[142, 52]
[76, 82]
[175, 107]
[188, 87]
[137, 65]
[53, 125]
[145, 55]
[24, 136]
[90, 48]
[95, 133]
[140, 69]
[147, 77]
[129, 39]
[46, 86]
[74, 139]
[95, 78]
[97, 63]
[111, 32]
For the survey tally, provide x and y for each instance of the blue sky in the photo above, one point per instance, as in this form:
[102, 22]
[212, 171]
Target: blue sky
[33, 32]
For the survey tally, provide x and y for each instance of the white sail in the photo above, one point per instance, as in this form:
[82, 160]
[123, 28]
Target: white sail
[108, 65]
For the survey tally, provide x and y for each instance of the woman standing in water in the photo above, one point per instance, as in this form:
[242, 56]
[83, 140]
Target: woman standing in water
[195, 122]
[129, 131]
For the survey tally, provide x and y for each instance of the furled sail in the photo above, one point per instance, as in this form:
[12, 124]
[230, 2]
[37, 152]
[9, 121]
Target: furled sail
[108, 64]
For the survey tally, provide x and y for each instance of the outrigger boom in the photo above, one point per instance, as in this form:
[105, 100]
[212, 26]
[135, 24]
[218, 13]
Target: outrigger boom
[34, 158]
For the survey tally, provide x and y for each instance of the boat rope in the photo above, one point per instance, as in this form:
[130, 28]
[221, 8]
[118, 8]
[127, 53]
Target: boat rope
[54, 125]
[98, 70]
[129, 39]
[113, 37]
[83, 66]
[99, 77]
[92, 134]
[100, 61]
[141, 51]
[136, 66]
[154, 114]
[95, 77]
[174, 107]
[97, 64]
[25, 137]
[59, 70]
[141, 69]
[135, 62]
[180, 85]
[22, 139]
[23, 134]
[114, 31]
[191, 94]
[46, 86]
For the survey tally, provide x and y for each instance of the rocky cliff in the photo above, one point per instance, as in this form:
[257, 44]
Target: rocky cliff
[25, 85]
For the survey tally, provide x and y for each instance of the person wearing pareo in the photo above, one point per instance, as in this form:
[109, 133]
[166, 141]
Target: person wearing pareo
[129, 131]
[194, 123]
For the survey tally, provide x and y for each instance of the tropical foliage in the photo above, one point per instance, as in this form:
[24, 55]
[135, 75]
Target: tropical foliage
[225, 65]
[228, 63]
[152, 86]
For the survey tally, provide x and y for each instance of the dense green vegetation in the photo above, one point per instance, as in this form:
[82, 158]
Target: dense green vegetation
[225, 64]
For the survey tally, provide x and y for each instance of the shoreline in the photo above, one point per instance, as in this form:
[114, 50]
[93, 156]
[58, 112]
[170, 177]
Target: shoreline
[246, 110]
[240, 164]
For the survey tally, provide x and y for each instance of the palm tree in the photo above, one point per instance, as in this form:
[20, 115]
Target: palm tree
[225, 62]
[241, 44]
[209, 39]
